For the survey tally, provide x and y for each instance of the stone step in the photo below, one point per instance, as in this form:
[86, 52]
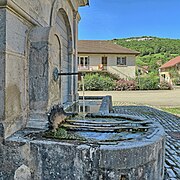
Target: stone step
[108, 124]
[104, 128]
[90, 122]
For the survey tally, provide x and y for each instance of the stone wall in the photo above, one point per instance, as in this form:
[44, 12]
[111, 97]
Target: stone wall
[2, 62]
[15, 72]
[31, 46]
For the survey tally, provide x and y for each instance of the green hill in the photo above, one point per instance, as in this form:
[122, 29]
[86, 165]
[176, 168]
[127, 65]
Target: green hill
[154, 51]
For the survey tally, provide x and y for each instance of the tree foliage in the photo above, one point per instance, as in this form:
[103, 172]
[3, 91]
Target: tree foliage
[148, 82]
[154, 51]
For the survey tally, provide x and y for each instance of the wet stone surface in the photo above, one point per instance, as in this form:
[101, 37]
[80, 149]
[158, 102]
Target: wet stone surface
[108, 129]
[171, 124]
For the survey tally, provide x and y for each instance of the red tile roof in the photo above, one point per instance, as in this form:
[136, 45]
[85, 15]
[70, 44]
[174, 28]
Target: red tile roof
[171, 63]
[102, 47]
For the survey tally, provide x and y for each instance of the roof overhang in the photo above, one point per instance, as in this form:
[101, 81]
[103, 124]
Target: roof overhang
[83, 2]
[108, 53]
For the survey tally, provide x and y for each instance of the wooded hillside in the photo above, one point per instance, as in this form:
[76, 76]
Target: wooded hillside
[154, 51]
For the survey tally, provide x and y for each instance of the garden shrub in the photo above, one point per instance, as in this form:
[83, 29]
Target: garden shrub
[148, 82]
[165, 86]
[123, 84]
[97, 82]
[102, 82]
[176, 81]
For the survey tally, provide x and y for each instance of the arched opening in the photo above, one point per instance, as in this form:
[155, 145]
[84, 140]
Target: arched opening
[64, 30]
[55, 54]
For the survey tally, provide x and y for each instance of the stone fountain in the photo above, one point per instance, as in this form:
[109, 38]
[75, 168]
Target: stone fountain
[107, 145]
[38, 76]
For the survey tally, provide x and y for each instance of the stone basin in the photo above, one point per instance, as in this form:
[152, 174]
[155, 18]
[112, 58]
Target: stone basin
[113, 147]
[102, 156]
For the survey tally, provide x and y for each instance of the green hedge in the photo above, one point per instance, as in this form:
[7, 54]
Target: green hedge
[102, 82]
[97, 82]
[148, 82]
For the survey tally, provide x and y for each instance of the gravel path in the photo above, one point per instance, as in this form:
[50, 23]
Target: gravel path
[169, 98]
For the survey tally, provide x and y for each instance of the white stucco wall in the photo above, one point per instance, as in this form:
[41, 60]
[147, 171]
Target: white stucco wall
[124, 71]
[165, 72]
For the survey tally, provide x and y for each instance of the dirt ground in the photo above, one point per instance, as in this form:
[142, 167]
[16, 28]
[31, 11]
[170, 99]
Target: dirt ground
[158, 98]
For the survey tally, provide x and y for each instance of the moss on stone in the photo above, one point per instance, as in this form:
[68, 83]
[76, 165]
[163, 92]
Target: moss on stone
[62, 133]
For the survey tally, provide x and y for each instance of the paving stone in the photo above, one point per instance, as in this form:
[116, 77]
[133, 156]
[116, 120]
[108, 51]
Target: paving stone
[176, 158]
[167, 153]
[172, 147]
[171, 173]
[166, 165]
[171, 152]
[170, 162]
[177, 171]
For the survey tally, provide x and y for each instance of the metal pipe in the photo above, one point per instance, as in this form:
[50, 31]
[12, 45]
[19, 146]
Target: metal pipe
[61, 74]
[56, 74]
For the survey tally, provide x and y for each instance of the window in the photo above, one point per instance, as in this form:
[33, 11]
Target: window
[87, 109]
[83, 62]
[104, 62]
[86, 61]
[121, 61]
[118, 61]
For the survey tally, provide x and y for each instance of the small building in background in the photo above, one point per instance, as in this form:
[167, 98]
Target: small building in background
[96, 55]
[170, 71]
[142, 70]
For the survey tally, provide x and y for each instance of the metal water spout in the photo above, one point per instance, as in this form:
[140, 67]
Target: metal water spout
[56, 74]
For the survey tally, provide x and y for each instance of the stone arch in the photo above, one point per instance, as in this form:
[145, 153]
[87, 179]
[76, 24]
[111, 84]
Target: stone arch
[50, 47]
[54, 61]
[44, 56]
[59, 64]
[63, 27]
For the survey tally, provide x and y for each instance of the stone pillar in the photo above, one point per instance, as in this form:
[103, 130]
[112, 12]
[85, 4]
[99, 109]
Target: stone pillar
[2, 68]
[38, 77]
[44, 92]
[75, 63]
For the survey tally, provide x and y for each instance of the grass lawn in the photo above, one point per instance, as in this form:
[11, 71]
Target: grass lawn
[175, 110]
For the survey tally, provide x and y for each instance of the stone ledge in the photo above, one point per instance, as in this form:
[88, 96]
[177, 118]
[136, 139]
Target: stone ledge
[9, 4]
[49, 157]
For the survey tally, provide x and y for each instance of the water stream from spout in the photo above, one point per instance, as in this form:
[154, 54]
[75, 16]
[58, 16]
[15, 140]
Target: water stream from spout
[82, 80]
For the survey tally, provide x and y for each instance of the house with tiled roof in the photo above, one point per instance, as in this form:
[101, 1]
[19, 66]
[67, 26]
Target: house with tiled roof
[170, 69]
[96, 55]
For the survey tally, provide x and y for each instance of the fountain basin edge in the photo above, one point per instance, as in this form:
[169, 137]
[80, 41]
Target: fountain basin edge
[54, 159]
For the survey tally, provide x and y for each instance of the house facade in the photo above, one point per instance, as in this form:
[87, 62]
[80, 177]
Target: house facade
[106, 56]
[170, 70]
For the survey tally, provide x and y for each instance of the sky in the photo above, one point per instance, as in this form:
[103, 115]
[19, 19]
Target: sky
[113, 19]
